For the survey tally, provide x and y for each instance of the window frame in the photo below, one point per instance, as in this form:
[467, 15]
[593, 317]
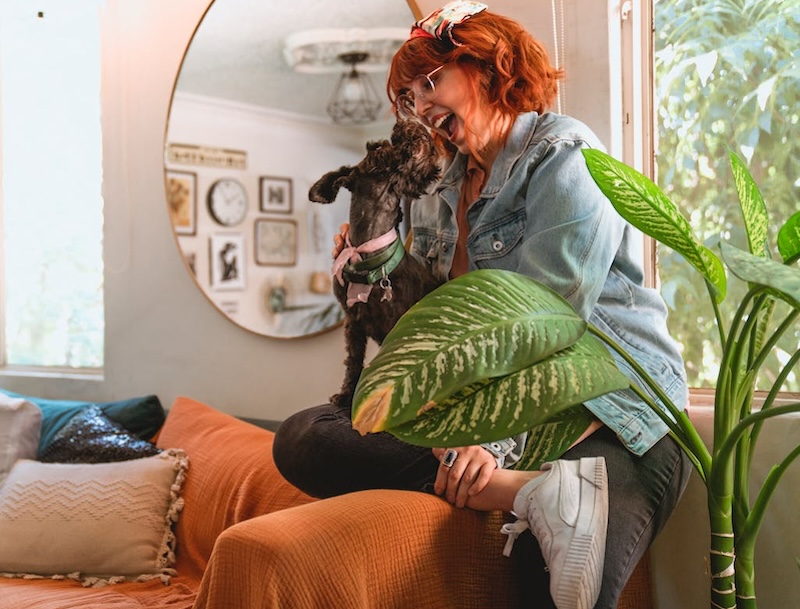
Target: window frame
[639, 150]
[8, 370]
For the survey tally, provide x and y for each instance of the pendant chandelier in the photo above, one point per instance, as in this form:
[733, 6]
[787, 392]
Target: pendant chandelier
[355, 99]
[352, 53]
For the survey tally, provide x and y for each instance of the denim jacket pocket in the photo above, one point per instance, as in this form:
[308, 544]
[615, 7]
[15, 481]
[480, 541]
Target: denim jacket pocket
[433, 250]
[497, 241]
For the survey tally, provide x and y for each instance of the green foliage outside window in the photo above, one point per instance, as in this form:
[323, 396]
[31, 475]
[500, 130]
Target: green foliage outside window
[727, 77]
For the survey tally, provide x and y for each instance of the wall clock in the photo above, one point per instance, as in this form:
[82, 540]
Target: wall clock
[227, 201]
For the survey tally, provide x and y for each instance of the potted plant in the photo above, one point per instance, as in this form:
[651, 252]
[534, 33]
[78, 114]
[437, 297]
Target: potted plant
[475, 360]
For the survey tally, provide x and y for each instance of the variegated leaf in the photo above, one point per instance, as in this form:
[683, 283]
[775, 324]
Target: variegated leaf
[783, 281]
[754, 211]
[504, 406]
[789, 238]
[548, 441]
[637, 199]
[764, 324]
[484, 324]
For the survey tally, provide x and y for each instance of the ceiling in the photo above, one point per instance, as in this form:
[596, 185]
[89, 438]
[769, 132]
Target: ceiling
[237, 50]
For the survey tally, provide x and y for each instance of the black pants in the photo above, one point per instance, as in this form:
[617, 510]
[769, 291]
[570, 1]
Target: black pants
[319, 452]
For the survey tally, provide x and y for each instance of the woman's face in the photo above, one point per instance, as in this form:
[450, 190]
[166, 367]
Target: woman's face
[445, 110]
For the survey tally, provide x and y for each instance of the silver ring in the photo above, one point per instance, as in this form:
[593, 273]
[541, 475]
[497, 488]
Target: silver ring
[449, 457]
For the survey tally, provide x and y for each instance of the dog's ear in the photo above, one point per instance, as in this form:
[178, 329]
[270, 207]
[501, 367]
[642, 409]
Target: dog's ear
[327, 187]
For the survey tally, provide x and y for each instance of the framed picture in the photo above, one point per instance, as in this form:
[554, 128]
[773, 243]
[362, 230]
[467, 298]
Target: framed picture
[275, 195]
[191, 261]
[276, 242]
[227, 261]
[182, 201]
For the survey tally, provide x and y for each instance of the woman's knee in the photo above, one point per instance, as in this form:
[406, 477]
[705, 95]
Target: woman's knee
[299, 443]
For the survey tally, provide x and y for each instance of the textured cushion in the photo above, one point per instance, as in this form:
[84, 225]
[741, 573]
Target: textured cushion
[142, 416]
[94, 522]
[20, 425]
[91, 437]
[233, 477]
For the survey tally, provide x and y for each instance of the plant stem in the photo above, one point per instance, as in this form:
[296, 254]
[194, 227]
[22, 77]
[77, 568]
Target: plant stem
[727, 388]
[717, 313]
[786, 324]
[747, 532]
[729, 443]
[722, 554]
[750, 529]
[677, 432]
[680, 425]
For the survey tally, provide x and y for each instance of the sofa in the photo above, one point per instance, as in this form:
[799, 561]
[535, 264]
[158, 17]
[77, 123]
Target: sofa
[246, 539]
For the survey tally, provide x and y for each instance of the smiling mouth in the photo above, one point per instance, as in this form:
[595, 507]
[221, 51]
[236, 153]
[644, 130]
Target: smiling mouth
[446, 123]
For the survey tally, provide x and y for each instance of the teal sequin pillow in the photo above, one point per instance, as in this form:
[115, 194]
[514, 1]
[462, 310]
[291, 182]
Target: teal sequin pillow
[91, 437]
[141, 416]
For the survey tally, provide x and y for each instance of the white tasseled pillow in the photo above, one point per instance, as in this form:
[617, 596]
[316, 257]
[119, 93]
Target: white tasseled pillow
[20, 426]
[97, 522]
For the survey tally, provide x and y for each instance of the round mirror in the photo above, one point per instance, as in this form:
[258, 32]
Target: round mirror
[250, 130]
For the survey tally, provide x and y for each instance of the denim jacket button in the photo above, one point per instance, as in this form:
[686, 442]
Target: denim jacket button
[444, 247]
[497, 245]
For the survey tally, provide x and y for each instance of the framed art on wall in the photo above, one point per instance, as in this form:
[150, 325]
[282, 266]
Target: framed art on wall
[275, 195]
[227, 261]
[182, 201]
[191, 261]
[276, 242]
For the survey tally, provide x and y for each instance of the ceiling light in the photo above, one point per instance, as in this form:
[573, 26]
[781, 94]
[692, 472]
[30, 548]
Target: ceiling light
[354, 99]
[325, 51]
[318, 51]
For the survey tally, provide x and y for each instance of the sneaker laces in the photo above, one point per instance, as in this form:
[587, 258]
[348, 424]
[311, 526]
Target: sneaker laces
[513, 530]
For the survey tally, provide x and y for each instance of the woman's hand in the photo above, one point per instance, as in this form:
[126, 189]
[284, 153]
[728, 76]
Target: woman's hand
[338, 240]
[467, 476]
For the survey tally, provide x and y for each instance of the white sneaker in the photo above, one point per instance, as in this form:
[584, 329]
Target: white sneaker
[566, 509]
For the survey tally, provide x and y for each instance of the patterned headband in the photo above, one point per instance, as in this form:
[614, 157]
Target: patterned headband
[440, 22]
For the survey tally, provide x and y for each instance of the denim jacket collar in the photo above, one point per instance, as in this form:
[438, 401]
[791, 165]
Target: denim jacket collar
[519, 138]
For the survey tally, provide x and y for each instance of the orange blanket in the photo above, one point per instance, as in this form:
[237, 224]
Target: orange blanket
[231, 478]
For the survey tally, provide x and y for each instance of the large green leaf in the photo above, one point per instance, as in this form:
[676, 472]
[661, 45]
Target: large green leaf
[483, 324]
[549, 441]
[781, 280]
[637, 199]
[756, 223]
[754, 211]
[789, 238]
[501, 407]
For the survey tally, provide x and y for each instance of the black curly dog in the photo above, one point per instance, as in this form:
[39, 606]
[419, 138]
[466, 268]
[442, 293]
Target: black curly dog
[376, 281]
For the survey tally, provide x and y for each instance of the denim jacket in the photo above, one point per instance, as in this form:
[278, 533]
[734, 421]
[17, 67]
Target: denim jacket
[541, 214]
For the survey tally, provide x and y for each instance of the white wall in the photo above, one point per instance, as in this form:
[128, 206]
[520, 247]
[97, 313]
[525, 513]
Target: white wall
[164, 337]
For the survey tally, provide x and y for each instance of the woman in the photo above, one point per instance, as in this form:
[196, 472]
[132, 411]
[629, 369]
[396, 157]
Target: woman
[516, 195]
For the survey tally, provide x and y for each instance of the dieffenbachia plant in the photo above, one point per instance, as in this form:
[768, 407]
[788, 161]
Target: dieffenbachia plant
[490, 354]
[494, 353]
[746, 340]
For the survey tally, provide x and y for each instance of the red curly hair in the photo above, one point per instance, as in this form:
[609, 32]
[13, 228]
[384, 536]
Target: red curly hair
[508, 68]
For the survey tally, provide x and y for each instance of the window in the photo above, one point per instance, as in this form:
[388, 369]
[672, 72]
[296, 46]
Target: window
[727, 75]
[51, 276]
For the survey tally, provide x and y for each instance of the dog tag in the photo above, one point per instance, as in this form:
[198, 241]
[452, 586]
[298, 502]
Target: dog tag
[386, 286]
